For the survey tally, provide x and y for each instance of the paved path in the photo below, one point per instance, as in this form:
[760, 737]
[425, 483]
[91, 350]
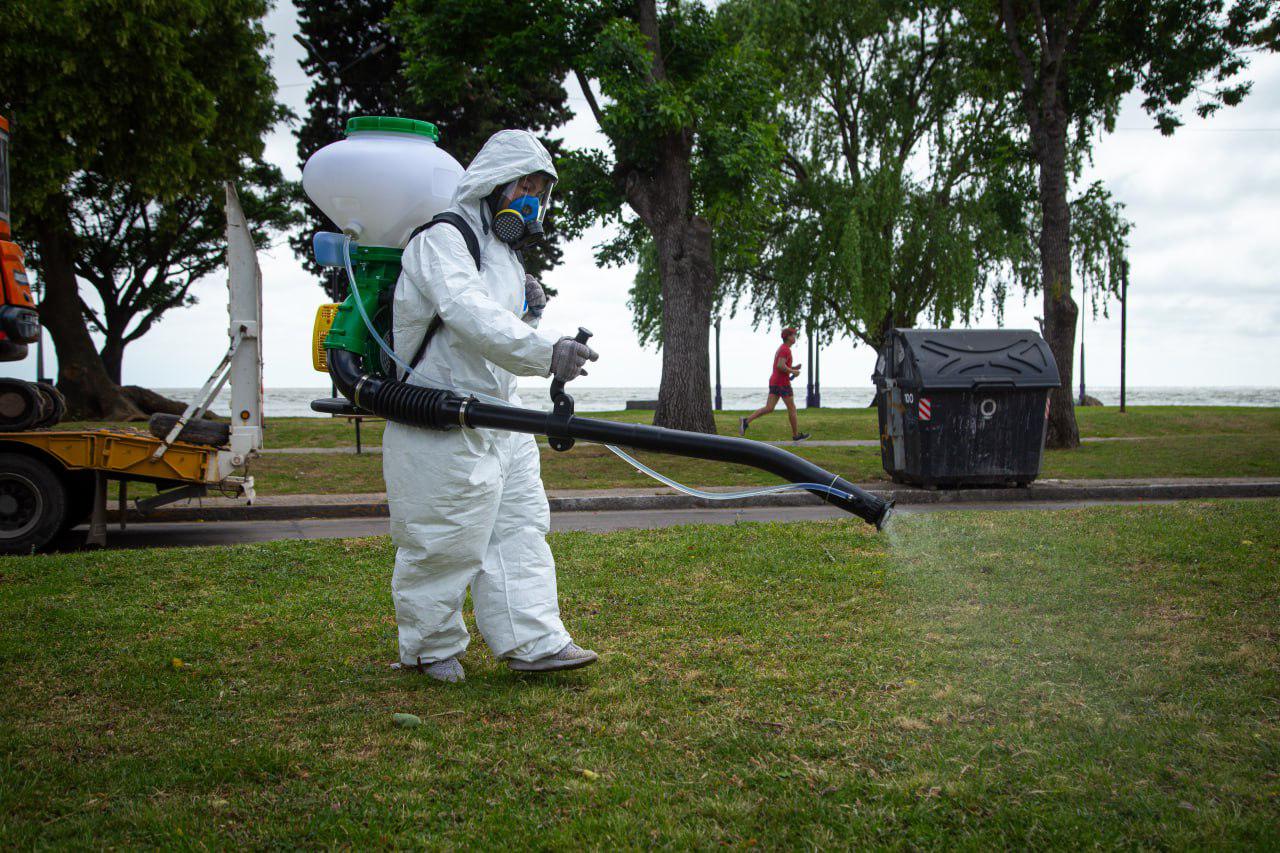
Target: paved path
[175, 534]
[333, 506]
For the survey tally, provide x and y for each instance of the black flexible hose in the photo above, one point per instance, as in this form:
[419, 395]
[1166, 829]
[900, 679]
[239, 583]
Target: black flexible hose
[438, 409]
[433, 408]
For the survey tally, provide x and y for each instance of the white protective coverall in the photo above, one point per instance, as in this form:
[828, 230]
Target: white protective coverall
[467, 506]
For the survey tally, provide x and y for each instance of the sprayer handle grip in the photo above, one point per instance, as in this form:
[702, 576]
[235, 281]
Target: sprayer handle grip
[557, 386]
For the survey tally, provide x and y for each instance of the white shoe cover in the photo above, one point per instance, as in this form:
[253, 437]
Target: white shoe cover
[449, 669]
[571, 656]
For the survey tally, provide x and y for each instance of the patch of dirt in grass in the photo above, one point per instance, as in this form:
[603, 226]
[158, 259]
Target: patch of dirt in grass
[1254, 658]
[910, 724]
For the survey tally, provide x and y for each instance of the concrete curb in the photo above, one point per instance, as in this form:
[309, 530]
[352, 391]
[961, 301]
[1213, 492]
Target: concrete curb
[375, 505]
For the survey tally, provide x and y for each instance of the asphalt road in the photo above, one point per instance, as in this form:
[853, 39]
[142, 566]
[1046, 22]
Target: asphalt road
[176, 534]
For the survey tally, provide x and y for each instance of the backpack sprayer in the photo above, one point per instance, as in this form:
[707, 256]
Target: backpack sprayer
[379, 184]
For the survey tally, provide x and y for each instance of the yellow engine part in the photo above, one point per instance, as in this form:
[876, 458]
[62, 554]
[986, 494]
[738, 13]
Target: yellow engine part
[324, 319]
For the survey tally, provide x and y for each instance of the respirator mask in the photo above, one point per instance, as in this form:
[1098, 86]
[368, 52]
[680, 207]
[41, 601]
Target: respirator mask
[519, 208]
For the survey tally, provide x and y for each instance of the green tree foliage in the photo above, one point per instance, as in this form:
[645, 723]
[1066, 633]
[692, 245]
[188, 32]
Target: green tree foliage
[159, 98]
[1071, 63]
[906, 190]
[141, 255]
[902, 187]
[687, 110]
[356, 60]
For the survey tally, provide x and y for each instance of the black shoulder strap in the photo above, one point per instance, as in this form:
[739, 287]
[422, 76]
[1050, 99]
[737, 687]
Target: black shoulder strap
[468, 236]
[473, 246]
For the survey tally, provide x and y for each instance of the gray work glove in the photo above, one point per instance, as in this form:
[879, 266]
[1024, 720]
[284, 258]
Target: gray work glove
[567, 358]
[535, 299]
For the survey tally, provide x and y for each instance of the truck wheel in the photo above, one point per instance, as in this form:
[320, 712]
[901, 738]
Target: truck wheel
[20, 405]
[33, 504]
[207, 433]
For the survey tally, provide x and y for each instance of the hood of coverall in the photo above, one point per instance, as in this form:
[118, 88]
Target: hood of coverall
[508, 155]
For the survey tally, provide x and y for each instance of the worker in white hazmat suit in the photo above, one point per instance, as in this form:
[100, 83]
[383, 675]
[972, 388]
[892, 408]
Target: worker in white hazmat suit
[467, 506]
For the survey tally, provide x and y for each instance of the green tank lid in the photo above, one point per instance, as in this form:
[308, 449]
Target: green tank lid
[393, 124]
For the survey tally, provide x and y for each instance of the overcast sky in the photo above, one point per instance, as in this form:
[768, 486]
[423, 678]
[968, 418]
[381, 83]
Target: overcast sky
[1204, 281]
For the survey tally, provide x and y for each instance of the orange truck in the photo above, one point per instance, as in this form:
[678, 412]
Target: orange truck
[23, 405]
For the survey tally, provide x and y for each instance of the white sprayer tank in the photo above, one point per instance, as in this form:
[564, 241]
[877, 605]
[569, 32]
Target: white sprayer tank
[384, 180]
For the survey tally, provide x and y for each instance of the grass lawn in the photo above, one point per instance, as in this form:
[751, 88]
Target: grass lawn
[589, 466]
[829, 424]
[1096, 677]
[1177, 441]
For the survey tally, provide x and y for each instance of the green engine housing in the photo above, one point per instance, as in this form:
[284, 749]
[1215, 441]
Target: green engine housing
[376, 270]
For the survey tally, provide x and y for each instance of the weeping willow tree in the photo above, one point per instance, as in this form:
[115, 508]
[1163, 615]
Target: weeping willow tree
[1099, 246]
[907, 187]
[903, 192]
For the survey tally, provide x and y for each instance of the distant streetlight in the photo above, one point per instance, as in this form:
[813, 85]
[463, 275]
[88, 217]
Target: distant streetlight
[1124, 318]
[309, 46]
[719, 399]
[38, 287]
[813, 392]
[371, 51]
[817, 374]
[335, 71]
[808, 369]
[1084, 298]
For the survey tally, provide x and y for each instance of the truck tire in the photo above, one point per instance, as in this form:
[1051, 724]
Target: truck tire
[33, 504]
[21, 405]
[55, 405]
[206, 433]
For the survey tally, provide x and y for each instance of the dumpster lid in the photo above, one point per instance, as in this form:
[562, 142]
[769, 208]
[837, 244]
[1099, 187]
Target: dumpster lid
[970, 358]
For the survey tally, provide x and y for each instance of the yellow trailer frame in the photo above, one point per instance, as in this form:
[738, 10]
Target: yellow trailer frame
[85, 461]
[122, 454]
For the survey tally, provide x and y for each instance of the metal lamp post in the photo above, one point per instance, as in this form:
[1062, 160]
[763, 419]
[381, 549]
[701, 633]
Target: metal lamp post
[719, 399]
[1084, 297]
[808, 370]
[813, 393]
[40, 377]
[1124, 312]
[817, 375]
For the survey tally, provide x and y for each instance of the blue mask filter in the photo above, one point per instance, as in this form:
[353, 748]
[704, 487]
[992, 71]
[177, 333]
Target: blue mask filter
[527, 207]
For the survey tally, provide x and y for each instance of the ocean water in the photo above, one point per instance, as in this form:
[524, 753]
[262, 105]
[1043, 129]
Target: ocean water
[296, 402]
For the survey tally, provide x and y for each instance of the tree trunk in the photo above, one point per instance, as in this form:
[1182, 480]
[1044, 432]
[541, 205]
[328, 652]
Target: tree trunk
[663, 199]
[686, 269]
[112, 355]
[82, 379]
[1060, 309]
[661, 194]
